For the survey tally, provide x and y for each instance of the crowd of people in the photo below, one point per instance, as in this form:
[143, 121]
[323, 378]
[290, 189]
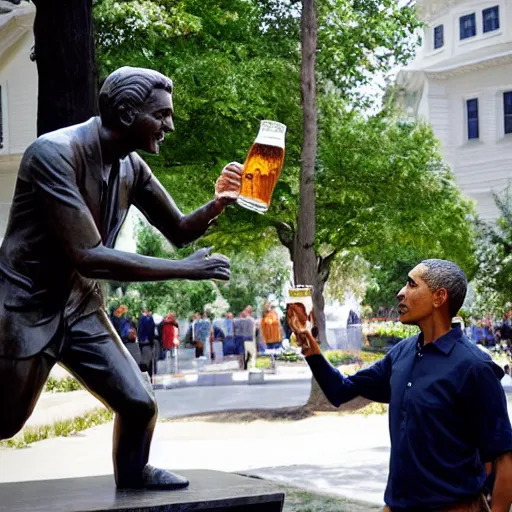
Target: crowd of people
[151, 338]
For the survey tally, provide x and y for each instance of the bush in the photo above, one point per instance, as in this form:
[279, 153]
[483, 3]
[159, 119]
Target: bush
[290, 357]
[339, 357]
[64, 385]
[395, 330]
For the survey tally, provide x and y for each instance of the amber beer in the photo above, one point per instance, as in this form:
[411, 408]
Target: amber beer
[299, 302]
[262, 167]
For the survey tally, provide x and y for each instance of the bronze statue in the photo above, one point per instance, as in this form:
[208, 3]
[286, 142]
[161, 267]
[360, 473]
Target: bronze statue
[72, 194]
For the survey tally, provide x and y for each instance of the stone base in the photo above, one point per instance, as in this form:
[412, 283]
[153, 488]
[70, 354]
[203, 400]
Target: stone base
[208, 491]
[256, 377]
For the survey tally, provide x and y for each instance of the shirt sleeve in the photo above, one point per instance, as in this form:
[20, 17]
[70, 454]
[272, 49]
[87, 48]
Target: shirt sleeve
[488, 405]
[371, 383]
[54, 181]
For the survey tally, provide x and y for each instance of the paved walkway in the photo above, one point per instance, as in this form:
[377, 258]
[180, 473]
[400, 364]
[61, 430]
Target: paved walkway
[347, 456]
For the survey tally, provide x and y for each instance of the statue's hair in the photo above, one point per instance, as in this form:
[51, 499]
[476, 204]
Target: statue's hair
[446, 274]
[128, 87]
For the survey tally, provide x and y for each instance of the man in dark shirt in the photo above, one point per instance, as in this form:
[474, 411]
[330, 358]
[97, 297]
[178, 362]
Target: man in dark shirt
[72, 194]
[448, 414]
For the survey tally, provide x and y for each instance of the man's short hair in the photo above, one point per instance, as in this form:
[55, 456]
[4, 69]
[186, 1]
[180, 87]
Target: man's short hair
[130, 87]
[446, 274]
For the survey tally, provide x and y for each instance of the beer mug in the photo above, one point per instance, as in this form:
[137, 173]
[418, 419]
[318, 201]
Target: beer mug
[299, 303]
[262, 167]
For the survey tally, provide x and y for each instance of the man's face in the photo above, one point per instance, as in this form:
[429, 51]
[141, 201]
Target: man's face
[416, 301]
[152, 121]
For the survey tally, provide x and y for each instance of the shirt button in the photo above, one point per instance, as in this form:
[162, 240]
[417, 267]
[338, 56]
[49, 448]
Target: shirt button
[409, 384]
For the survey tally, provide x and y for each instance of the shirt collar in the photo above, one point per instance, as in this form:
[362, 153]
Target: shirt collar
[445, 343]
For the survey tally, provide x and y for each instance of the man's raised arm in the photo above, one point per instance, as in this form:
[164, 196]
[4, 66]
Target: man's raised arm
[372, 383]
[74, 228]
[160, 209]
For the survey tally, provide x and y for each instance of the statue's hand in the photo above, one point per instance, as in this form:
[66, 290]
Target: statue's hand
[201, 265]
[229, 183]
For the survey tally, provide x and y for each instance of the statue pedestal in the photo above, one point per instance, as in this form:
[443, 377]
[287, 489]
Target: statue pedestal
[208, 491]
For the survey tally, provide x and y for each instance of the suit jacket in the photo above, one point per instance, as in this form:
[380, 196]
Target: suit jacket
[62, 202]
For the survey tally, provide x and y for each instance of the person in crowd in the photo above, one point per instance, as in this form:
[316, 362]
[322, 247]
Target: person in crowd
[448, 415]
[170, 338]
[271, 327]
[247, 328]
[202, 336]
[239, 337]
[229, 340]
[146, 335]
[119, 319]
[217, 338]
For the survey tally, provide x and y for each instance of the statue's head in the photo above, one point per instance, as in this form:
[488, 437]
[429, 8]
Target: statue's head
[432, 285]
[137, 103]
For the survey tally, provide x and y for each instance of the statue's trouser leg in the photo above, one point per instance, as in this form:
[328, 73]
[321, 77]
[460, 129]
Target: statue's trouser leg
[21, 383]
[94, 353]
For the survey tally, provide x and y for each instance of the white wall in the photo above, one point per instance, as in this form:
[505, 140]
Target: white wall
[480, 165]
[449, 16]
[18, 79]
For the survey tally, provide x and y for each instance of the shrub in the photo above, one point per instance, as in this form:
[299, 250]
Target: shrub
[64, 385]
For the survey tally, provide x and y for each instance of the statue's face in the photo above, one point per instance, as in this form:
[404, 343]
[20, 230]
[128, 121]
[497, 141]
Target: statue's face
[152, 121]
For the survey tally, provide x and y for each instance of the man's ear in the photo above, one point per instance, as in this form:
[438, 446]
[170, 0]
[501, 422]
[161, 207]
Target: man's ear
[126, 115]
[440, 297]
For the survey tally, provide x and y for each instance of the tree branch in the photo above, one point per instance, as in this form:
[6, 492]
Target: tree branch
[324, 266]
[285, 233]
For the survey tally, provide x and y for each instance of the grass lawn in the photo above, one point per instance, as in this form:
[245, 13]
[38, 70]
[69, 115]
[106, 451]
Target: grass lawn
[298, 500]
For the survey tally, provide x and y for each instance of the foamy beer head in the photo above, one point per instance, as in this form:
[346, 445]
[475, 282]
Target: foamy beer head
[262, 167]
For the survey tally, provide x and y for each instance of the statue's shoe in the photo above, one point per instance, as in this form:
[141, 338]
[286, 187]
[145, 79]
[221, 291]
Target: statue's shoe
[155, 478]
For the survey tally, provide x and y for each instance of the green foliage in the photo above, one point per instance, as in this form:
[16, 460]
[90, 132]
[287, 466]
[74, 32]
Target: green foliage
[384, 196]
[253, 278]
[382, 193]
[62, 428]
[396, 330]
[180, 297]
[290, 357]
[64, 385]
[493, 281]
[339, 357]
[359, 39]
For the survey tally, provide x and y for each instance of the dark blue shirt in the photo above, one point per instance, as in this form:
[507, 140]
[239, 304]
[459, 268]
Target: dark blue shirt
[146, 331]
[447, 416]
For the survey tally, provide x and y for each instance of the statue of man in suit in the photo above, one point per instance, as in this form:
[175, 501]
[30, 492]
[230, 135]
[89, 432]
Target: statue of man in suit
[73, 192]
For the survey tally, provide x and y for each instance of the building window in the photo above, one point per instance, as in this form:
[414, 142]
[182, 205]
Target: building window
[472, 112]
[491, 19]
[438, 37]
[507, 109]
[468, 26]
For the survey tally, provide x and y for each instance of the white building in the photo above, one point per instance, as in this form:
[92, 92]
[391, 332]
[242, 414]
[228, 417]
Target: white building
[18, 96]
[461, 82]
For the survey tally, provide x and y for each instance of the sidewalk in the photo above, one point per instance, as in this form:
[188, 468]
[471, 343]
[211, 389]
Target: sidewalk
[227, 374]
[53, 407]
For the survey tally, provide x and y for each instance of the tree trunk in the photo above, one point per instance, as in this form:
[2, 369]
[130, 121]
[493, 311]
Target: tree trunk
[304, 257]
[64, 52]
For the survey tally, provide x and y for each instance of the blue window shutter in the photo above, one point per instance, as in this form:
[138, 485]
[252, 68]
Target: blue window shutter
[438, 37]
[507, 110]
[472, 116]
[491, 18]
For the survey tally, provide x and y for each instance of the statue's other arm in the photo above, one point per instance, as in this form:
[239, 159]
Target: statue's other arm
[70, 220]
[161, 211]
